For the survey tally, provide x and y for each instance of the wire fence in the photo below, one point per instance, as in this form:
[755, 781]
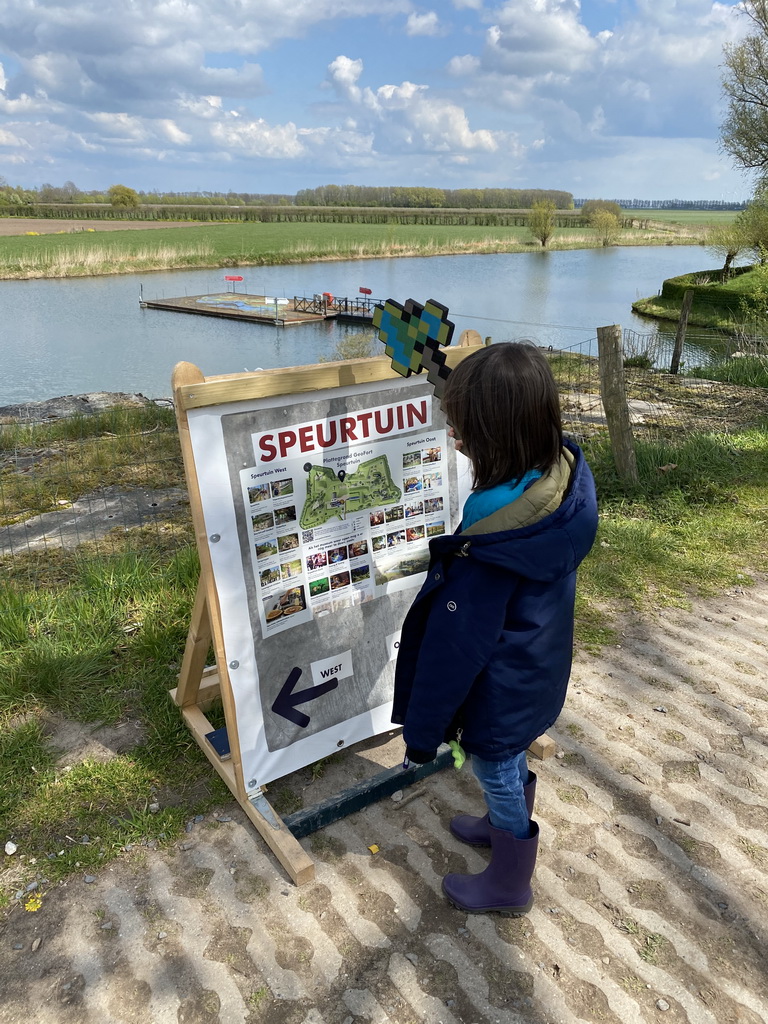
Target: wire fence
[110, 479]
[662, 406]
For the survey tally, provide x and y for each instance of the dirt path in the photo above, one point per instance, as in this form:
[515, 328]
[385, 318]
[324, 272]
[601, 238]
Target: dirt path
[651, 889]
[45, 226]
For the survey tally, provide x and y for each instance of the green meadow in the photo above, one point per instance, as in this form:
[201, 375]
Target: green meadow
[706, 218]
[207, 244]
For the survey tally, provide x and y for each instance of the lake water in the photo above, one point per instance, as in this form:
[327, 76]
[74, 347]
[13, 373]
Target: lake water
[79, 335]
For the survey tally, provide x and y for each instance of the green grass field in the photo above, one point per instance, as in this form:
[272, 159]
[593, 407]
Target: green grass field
[737, 306]
[709, 218]
[253, 244]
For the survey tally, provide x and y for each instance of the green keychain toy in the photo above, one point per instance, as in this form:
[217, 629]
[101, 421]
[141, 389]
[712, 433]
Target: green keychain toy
[459, 757]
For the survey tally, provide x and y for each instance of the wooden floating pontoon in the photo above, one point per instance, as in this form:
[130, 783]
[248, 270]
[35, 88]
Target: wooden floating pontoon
[266, 309]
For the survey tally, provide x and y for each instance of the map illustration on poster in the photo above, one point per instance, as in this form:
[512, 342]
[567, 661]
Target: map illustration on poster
[323, 505]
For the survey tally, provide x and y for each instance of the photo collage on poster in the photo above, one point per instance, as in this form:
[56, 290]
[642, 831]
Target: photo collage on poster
[338, 527]
[277, 550]
[400, 533]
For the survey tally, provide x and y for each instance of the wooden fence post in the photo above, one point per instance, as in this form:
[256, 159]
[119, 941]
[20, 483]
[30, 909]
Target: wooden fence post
[682, 325]
[614, 396]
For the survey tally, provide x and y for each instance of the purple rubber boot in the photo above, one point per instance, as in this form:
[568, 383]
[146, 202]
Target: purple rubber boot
[505, 885]
[475, 831]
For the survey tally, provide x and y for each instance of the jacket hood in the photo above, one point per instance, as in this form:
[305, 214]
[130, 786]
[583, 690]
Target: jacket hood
[542, 535]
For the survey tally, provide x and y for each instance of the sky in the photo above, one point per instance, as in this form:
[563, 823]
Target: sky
[607, 99]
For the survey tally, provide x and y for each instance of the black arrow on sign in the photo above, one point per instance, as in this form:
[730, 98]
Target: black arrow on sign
[286, 701]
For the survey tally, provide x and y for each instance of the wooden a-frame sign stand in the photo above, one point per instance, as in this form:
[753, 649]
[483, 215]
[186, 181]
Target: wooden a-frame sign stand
[200, 685]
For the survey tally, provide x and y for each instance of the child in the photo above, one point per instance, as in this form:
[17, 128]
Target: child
[485, 651]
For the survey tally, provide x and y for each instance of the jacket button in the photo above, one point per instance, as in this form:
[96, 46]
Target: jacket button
[451, 606]
[437, 575]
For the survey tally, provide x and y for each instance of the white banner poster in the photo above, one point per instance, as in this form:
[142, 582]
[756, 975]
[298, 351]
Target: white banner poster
[319, 510]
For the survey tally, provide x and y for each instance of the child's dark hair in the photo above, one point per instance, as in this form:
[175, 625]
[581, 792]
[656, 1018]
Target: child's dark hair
[504, 405]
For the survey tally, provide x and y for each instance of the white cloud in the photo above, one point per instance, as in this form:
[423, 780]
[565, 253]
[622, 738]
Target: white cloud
[597, 123]
[522, 92]
[440, 125]
[422, 24]
[9, 139]
[246, 80]
[408, 117]
[467, 64]
[141, 56]
[120, 126]
[635, 89]
[406, 125]
[685, 168]
[29, 105]
[344, 73]
[652, 72]
[37, 144]
[173, 133]
[259, 138]
[203, 107]
[126, 129]
[393, 97]
[539, 35]
[52, 73]
[335, 145]
[224, 26]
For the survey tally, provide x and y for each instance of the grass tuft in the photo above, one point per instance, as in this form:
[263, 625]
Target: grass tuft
[88, 260]
[693, 529]
[750, 371]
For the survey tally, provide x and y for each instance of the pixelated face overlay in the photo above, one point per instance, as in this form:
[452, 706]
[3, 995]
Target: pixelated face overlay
[413, 335]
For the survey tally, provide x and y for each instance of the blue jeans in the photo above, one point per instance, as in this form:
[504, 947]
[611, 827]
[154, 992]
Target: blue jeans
[502, 784]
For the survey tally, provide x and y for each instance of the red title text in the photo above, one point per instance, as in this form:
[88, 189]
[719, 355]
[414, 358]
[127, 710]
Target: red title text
[338, 431]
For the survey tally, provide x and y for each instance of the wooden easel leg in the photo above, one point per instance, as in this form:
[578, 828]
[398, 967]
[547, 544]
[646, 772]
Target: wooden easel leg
[195, 652]
[268, 823]
[199, 685]
[280, 839]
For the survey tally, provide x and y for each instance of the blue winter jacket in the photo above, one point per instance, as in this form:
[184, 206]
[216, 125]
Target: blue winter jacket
[486, 647]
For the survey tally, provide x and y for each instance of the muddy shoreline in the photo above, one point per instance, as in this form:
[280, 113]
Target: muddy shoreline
[86, 404]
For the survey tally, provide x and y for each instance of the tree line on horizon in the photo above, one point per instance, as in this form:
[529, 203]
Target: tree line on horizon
[426, 198]
[359, 196]
[671, 204]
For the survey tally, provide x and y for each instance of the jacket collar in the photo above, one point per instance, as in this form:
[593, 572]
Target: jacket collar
[543, 497]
